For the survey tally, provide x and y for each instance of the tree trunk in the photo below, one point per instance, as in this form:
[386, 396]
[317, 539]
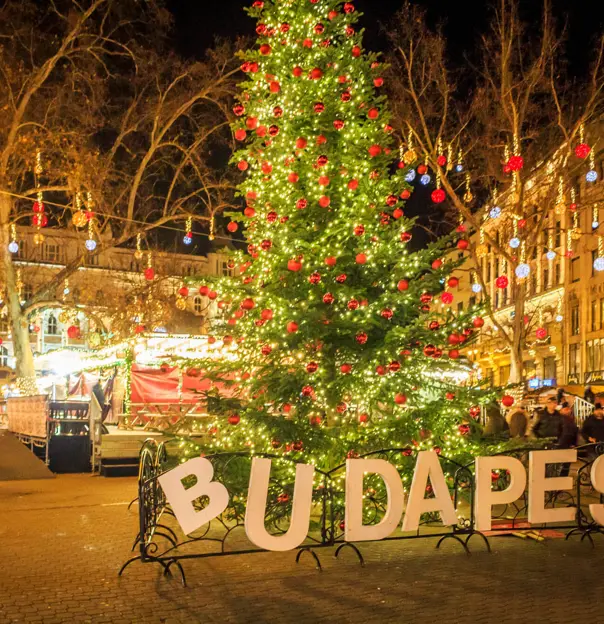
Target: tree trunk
[517, 337]
[24, 361]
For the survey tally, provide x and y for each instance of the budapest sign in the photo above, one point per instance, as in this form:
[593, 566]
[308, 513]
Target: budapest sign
[427, 470]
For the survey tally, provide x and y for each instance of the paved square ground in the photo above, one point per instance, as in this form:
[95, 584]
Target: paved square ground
[63, 540]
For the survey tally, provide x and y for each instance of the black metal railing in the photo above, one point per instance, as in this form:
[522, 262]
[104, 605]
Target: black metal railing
[327, 530]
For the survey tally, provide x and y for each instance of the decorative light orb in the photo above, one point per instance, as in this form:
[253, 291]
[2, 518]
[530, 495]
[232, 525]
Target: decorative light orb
[495, 212]
[65, 291]
[410, 175]
[550, 255]
[425, 179]
[90, 244]
[591, 176]
[13, 246]
[559, 318]
[476, 287]
[515, 242]
[595, 225]
[187, 240]
[599, 264]
[522, 271]
[459, 168]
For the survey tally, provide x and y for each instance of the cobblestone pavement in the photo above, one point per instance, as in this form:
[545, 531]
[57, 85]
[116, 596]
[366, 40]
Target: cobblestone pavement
[63, 540]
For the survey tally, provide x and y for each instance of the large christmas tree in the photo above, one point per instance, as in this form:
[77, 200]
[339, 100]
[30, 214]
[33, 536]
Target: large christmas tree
[340, 339]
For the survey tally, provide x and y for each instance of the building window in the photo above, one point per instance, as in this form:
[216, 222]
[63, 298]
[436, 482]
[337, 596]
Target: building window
[27, 293]
[50, 252]
[574, 319]
[530, 370]
[52, 327]
[472, 301]
[3, 356]
[92, 260]
[574, 359]
[75, 295]
[504, 375]
[488, 270]
[558, 234]
[198, 305]
[594, 315]
[545, 284]
[460, 307]
[549, 368]
[594, 362]
[594, 255]
[557, 273]
[3, 324]
[601, 313]
[574, 270]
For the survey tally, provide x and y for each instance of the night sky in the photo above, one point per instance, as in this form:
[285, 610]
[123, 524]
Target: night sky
[198, 22]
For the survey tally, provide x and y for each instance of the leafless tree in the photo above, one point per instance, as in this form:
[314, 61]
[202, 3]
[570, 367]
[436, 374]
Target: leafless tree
[109, 128]
[518, 101]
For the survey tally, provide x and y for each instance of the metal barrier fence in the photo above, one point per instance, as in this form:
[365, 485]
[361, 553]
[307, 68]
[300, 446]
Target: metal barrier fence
[155, 513]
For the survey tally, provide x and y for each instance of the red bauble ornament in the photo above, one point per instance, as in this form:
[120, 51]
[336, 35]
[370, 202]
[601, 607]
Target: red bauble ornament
[359, 230]
[582, 150]
[251, 122]
[438, 196]
[149, 274]
[239, 110]
[502, 282]
[240, 134]
[375, 150]
[391, 200]
[454, 354]
[348, 7]
[297, 71]
[449, 396]
[478, 322]
[386, 313]
[353, 185]
[307, 391]
[434, 325]
[453, 339]
[356, 51]
[441, 160]
[353, 304]
[403, 285]
[453, 282]
[293, 177]
[324, 201]
[232, 226]
[400, 399]
[541, 333]
[378, 82]
[429, 350]
[405, 237]
[422, 169]
[267, 314]
[242, 165]
[397, 213]
[247, 304]
[292, 327]
[363, 418]
[267, 168]
[274, 87]
[328, 298]
[341, 278]
[346, 368]
[319, 107]
[436, 264]
[338, 124]
[507, 400]
[361, 338]
[271, 217]
[324, 181]
[462, 244]
[474, 411]
[394, 366]
[515, 163]
[361, 258]
[183, 291]
[312, 367]
[381, 370]
[316, 73]
[265, 49]
[464, 429]
[294, 265]
[314, 278]
[249, 212]
[341, 407]
[330, 261]
[301, 204]
[234, 419]
[373, 113]
[266, 350]
[73, 331]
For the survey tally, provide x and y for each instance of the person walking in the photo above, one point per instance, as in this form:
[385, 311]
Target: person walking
[593, 427]
[496, 425]
[589, 395]
[518, 422]
[549, 421]
[568, 437]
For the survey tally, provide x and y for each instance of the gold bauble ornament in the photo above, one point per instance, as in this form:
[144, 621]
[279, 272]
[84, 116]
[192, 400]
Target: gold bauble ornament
[79, 218]
[482, 250]
[38, 239]
[409, 156]
[63, 317]
[468, 197]
[181, 304]
[138, 254]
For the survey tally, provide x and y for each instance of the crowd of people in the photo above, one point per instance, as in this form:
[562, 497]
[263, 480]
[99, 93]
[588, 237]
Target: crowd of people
[555, 420]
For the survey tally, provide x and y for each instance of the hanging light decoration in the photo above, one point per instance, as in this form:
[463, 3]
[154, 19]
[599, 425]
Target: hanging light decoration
[476, 286]
[592, 174]
[482, 248]
[468, 197]
[523, 269]
[410, 175]
[551, 254]
[559, 316]
[13, 246]
[39, 219]
[515, 241]
[138, 254]
[188, 237]
[410, 155]
[90, 243]
[582, 150]
[149, 271]
[595, 217]
[459, 165]
[438, 195]
[212, 234]
[79, 216]
[449, 157]
[560, 204]
[599, 261]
